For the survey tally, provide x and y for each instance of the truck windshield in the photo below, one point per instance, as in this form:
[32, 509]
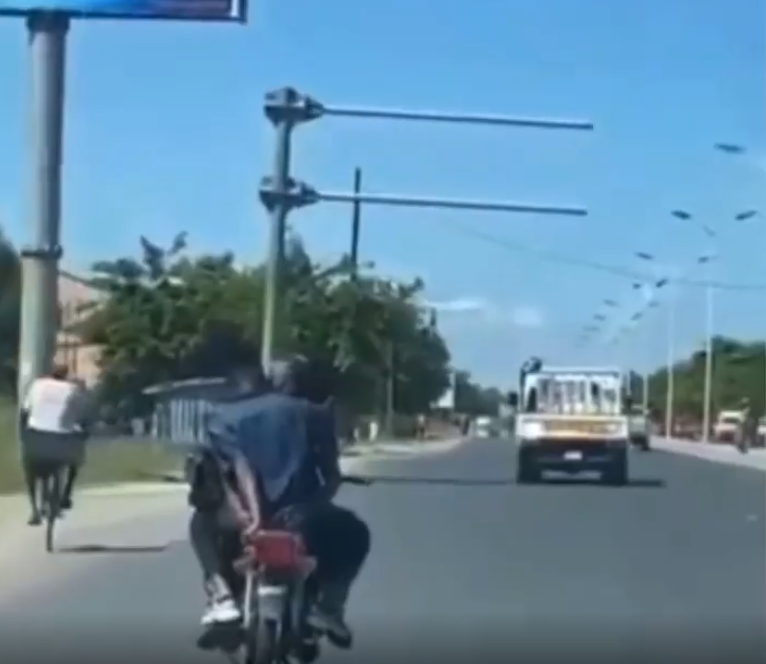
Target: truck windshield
[576, 395]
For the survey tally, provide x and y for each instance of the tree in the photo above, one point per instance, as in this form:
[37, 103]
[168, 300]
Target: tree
[170, 315]
[10, 304]
[739, 372]
[473, 399]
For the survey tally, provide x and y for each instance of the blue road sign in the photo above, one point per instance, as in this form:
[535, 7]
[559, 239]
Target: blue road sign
[172, 10]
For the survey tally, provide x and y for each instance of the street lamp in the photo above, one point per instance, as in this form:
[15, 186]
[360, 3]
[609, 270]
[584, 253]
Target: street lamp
[712, 237]
[671, 334]
[737, 150]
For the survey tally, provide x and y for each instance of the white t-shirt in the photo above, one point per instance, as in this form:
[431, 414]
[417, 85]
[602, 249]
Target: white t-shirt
[54, 406]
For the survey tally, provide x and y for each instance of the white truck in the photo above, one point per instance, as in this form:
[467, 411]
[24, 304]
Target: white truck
[728, 425]
[639, 428]
[571, 420]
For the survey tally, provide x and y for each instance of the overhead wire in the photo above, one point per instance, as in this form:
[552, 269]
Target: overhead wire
[615, 270]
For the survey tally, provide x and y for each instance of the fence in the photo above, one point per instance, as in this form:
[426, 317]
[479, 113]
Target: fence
[180, 410]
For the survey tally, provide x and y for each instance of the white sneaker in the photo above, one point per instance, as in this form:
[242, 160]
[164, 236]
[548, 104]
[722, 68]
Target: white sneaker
[221, 611]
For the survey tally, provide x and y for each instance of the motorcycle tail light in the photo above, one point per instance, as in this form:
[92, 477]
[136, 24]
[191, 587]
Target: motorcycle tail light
[277, 549]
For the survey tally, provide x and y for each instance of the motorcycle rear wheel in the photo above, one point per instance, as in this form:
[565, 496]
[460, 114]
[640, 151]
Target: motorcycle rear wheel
[263, 644]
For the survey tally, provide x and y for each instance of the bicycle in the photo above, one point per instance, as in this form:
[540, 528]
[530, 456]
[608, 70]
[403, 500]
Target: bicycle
[52, 455]
[50, 503]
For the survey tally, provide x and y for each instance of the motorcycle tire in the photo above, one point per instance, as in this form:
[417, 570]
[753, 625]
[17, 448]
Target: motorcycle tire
[264, 643]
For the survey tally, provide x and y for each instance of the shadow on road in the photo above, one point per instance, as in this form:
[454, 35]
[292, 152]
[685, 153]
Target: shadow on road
[447, 481]
[638, 483]
[108, 550]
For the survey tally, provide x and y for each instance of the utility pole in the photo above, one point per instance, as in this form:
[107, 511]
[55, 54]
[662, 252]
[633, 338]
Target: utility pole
[671, 369]
[390, 388]
[356, 220]
[40, 259]
[287, 109]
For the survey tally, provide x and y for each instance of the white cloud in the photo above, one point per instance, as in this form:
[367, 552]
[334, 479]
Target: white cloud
[523, 316]
[461, 305]
[527, 316]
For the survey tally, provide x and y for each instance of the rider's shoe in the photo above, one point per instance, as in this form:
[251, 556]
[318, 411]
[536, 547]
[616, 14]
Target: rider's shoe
[66, 503]
[35, 520]
[223, 610]
[329, 619]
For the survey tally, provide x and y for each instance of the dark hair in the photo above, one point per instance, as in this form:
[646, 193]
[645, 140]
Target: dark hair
[309, 378]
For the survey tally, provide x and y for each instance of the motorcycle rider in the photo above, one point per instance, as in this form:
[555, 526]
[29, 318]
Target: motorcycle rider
[748, 430]
[281, 452]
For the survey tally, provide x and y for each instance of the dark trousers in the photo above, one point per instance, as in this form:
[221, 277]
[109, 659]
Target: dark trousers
[334, 535]
[35, 473]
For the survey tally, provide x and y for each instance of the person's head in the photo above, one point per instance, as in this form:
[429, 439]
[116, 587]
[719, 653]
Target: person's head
[288, 376]
[60, 372]
[248, 377]
[303, 377]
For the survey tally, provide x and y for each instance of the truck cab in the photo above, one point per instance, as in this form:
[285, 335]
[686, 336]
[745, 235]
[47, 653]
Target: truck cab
[728, 426]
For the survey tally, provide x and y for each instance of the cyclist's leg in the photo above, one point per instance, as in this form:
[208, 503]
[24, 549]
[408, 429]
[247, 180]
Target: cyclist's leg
[32, 479]
[71, 477]
[53, 484]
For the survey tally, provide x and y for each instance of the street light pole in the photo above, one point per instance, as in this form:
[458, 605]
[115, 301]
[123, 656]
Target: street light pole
[708, 390]
[669, 396]
[734, 149]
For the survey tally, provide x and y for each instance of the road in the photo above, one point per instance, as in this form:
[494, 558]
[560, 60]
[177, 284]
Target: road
[464, 562]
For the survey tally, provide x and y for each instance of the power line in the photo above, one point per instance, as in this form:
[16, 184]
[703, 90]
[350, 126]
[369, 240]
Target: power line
[574, 261]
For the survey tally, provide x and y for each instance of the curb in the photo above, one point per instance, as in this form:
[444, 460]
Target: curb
[721, 454]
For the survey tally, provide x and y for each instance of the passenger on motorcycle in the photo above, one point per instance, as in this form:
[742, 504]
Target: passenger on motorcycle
[278, 460]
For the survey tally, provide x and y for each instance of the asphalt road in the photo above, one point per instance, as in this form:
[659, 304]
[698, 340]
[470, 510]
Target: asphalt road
[464, 563]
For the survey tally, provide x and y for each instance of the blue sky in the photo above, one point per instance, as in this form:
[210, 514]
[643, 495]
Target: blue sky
[165, 132]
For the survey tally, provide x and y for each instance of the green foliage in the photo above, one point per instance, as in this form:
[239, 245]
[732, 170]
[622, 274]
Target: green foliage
[738, 372]
[170, 315]
[473, 399]
[10, 300]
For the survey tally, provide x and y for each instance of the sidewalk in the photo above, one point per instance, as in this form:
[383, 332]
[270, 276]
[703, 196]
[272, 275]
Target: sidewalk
[98, 505]
[717, 453]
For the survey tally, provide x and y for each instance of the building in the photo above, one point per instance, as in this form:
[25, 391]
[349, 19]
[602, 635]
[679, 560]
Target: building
[75, 294]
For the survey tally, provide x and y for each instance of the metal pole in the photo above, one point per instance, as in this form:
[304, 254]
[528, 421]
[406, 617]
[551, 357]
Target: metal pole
[278, 217]
[39, 306]
[645, 391]
[390, 389]
[490, 119]
[670, 368]
[708, 390]
[443, 203]
[356, 219]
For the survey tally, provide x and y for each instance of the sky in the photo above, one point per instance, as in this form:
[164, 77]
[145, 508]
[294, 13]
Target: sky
[165, 132]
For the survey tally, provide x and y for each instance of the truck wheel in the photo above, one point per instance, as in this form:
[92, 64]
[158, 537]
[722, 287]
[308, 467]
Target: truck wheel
[617, 472]
[643, 444]
[527, 472]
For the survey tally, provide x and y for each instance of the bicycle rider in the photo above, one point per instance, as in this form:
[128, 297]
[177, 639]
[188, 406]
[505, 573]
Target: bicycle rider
[53, 408]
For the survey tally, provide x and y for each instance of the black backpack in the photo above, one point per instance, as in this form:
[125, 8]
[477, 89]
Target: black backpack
[207, 477]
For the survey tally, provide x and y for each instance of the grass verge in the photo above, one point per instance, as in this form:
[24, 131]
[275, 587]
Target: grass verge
[108, 461]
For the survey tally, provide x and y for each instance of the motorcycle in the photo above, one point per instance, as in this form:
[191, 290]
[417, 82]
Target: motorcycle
[278, 593]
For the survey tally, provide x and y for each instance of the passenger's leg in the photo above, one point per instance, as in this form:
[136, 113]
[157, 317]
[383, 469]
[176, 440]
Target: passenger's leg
[204, 534]
[341, 542]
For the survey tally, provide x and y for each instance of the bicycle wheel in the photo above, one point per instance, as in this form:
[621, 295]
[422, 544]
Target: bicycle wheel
[52, 502]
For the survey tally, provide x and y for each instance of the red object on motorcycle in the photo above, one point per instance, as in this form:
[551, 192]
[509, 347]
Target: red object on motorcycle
[278, 549]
